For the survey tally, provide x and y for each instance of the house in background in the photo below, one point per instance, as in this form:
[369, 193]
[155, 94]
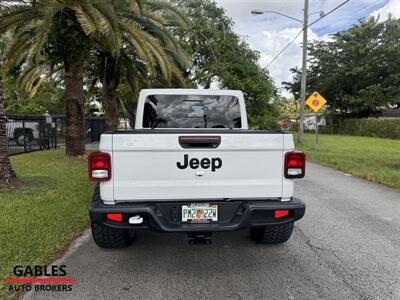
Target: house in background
[124, 124]
[393, 113]
[309, 120]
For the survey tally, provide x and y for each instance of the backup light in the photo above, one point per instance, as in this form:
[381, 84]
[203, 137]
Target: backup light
[99, 166]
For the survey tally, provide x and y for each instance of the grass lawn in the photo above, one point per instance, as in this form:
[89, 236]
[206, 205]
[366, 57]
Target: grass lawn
[45, 213]
[375, 159]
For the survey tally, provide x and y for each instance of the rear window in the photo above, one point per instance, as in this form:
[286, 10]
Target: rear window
[191, 111]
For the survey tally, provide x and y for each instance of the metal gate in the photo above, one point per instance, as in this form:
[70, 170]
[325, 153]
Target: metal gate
[29, 132]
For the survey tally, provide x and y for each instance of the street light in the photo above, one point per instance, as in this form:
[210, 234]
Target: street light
[304, 22]
[321, 13]
[255, 12]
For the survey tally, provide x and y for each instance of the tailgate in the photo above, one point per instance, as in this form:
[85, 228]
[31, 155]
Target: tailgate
[157, 167]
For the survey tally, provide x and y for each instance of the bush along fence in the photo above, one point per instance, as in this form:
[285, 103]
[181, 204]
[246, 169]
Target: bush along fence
[30, 132]
[384, 128]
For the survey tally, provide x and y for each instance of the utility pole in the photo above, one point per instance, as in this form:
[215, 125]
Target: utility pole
[303, 74]
[304, 22]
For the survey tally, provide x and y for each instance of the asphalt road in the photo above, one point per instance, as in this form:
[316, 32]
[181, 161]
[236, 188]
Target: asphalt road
[346, 247]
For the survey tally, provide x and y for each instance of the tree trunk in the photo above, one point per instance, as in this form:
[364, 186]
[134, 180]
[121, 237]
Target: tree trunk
[75, 136]
[110, 81]
[8, 178]
[130, 115]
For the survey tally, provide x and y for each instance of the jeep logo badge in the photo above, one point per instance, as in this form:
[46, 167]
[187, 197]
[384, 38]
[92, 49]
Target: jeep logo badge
[205, 163]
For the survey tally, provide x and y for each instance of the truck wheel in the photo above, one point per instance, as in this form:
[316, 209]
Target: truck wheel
[272, 234]
[22, 137]
[107, 237]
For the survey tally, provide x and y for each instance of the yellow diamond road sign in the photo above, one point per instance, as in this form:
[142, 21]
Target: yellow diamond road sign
[315, 101]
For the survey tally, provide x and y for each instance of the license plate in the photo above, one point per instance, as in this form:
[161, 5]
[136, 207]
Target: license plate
[200, 213]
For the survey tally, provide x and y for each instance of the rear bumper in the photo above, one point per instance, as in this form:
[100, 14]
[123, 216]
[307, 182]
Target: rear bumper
[166, 216]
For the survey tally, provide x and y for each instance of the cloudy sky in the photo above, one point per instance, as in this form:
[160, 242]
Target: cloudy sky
[270, 33]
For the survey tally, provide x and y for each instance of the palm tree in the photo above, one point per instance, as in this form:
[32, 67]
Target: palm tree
[132, 71]
[8, 177]
[148, 50]
[59, 32]
[127, 33]
[136, 78]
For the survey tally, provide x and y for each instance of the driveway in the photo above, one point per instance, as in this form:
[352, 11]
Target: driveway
[346, 247]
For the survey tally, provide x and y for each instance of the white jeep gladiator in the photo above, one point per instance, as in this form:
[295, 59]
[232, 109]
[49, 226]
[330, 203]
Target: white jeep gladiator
[192, 165]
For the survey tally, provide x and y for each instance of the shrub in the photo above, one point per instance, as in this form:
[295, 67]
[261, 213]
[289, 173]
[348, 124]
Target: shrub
[384, 128]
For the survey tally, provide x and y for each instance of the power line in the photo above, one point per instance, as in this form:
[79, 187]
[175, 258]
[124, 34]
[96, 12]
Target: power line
[284, 48]
[328, 13]
[294, 39]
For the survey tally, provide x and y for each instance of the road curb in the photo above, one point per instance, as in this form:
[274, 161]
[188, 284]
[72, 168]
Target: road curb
[73, 247]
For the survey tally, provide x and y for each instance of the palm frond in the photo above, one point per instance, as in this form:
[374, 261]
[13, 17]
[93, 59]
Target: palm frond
[15, 53]
[109, 25]
[135, 7]
[161, 57]
[86, 17]
[176, 16]
[13, 16]
[135, 38]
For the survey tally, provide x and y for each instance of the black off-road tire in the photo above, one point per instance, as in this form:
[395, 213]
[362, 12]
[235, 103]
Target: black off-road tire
[21, 135]
[107, 237]
[272, 234]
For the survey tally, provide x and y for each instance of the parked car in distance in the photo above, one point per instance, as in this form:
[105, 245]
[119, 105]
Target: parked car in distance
[22, 132]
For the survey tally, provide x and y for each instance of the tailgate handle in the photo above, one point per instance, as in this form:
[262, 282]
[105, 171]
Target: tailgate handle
[199, 141]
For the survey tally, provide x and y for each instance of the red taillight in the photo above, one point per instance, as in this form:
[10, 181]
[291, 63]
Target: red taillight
[281, 213]
[295, 165]
[99, 166]
[115, 217]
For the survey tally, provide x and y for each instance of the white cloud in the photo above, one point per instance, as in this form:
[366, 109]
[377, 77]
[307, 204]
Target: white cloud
[239, 9]
[392, 8]
[269, 33]
[270, 42]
